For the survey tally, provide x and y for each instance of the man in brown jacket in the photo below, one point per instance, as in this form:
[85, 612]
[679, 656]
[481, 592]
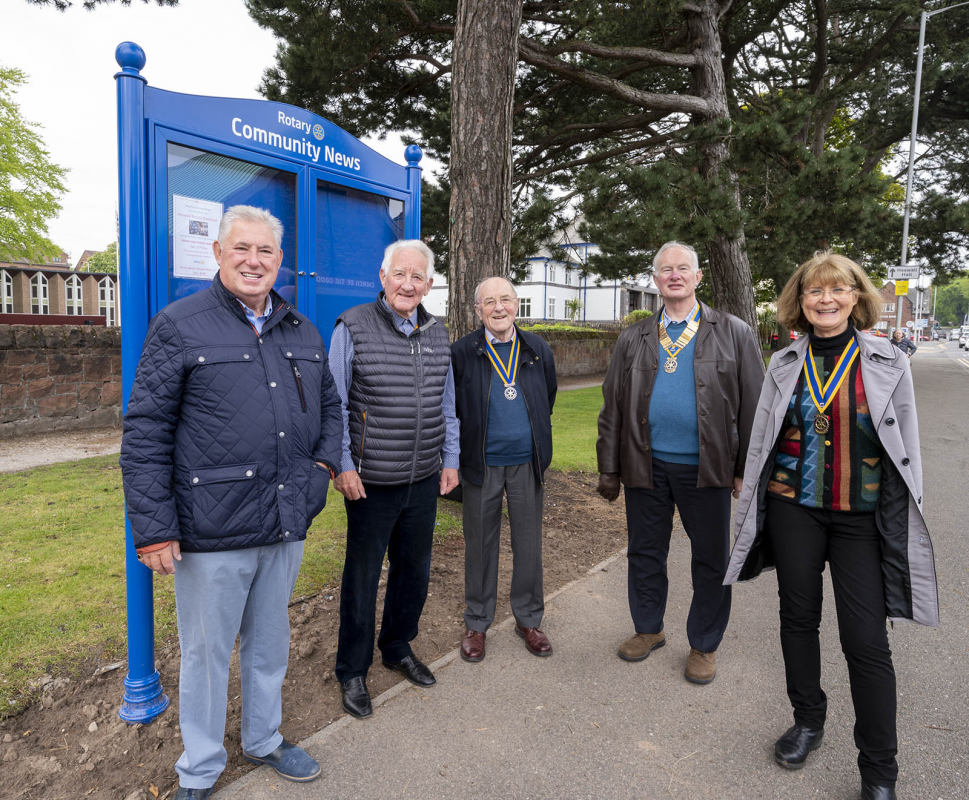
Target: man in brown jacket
[678, 406]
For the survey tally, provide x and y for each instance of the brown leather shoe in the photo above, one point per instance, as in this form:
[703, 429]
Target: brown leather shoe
[473, 645]
[640, 645]
[536, 642]
[701, 667]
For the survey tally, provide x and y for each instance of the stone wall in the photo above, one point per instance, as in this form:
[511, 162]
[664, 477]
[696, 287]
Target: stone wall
[58, 377]
[62, 377]
[580, 353]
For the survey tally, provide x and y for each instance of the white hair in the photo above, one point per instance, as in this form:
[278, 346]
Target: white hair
[408, 244]
[671, 245]
[477, 289]
[250, 214]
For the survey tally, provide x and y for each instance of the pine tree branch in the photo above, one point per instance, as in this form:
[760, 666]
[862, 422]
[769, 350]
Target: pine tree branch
[599, 157]
[536, 55]
[644, 54]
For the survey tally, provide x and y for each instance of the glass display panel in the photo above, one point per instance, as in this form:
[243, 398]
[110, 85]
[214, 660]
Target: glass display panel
[353, 228]
[201, 187]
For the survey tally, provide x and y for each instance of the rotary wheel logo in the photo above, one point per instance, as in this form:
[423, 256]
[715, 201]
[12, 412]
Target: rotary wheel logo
[318, 131]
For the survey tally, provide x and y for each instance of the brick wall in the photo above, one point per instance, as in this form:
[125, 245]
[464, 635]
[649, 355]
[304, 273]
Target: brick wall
[585, 353]
[58, 377]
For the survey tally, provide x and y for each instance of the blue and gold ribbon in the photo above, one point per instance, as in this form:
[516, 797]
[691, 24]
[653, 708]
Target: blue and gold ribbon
[822, 396]
[507, 374]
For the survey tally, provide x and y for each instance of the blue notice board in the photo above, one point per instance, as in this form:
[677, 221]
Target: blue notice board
[185, 159]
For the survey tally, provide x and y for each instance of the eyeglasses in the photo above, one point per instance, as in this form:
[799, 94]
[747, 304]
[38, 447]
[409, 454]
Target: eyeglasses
[490, 302]
[837, 292]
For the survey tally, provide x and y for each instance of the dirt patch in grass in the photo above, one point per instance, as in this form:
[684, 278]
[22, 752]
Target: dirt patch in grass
[70, 743]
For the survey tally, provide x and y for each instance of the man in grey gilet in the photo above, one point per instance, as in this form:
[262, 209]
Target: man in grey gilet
[392, 367]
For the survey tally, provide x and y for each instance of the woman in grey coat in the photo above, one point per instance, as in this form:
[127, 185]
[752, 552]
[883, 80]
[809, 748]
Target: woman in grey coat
[834, 475]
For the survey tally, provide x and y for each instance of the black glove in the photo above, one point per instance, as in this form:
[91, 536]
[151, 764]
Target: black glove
[608, 486]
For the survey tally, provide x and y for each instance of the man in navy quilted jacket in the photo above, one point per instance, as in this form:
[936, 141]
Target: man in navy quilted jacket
[232, 433]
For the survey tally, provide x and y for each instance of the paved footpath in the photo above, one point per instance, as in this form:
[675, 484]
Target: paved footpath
[584, 724]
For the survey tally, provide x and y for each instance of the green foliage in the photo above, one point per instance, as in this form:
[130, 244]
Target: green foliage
[104, 261]
[636, 316]
[952, 303]
[572, 308]
[561, 327]
[30, 183]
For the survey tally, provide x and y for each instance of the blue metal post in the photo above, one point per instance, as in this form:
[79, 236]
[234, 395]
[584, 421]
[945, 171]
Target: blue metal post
[143, 696]
[412, 216]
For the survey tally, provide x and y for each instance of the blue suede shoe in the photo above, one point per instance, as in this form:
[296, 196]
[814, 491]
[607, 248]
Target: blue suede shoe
[193, 794]
[291, 762]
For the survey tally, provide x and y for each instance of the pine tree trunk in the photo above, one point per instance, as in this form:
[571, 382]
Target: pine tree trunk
[730, 279]
[482, 97]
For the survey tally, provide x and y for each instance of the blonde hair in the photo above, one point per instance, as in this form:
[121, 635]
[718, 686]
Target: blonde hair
[828, 269]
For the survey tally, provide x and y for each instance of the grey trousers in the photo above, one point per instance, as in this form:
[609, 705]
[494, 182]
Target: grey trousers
[482, 530]
[219, 596]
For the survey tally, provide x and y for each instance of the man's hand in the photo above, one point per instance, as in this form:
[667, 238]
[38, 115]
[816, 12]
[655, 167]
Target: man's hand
[449, 481]
[348, 484]
[163, 561]
[738, 484]
[608, 486]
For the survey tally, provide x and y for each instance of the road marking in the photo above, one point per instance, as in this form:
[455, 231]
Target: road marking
[964, 363]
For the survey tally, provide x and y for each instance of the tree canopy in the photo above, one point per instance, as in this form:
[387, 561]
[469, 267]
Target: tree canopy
[30, 183]
[613, 125]
[103, 261]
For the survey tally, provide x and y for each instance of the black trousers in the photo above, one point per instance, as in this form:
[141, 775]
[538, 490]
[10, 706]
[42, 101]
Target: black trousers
[649, 520]
[397, 521]
[803, 539]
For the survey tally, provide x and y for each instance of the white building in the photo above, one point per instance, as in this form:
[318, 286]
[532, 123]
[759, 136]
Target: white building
[556, 277]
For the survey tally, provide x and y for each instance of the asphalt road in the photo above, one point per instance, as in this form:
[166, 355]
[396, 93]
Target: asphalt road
[585, 724]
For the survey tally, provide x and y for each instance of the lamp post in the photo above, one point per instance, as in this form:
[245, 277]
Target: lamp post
[911, 147]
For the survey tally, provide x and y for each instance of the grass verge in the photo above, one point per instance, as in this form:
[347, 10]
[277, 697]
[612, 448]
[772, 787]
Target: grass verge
[62, 589]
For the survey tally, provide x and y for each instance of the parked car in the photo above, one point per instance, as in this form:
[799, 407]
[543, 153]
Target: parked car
[962, 341]
[954, 335]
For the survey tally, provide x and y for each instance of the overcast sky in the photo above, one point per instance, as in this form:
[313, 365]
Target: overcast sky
[209, 47]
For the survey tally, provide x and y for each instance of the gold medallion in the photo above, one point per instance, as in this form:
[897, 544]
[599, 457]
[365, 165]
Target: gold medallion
[670, 365]
[821, 424]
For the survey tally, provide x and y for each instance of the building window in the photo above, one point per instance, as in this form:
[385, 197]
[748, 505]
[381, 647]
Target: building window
[6, 306]
[72, 294]
[39, 295]
[525, 308]
[106, 300]
[568, 277]
[889, 308]
[551, 273]
[551, 308]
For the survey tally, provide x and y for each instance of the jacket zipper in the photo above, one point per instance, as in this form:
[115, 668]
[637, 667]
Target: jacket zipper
[299, 384]
[363, 436]
[420, 408]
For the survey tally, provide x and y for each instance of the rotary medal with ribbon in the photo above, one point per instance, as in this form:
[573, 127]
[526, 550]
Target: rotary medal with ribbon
[822, 397]
[507, 374]
[673, 349]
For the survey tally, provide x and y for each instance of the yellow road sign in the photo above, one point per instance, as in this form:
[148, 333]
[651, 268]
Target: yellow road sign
[901, 288]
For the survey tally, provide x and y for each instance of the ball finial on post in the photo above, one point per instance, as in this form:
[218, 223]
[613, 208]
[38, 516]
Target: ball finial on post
[130, 57]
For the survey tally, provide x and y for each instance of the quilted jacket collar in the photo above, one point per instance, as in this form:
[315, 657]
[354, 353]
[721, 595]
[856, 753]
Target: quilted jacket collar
[280, 307]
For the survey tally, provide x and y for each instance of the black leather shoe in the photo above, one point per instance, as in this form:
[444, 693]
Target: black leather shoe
[871, 792]
[791, 750]
[356, 698]
[413, 669]
[193, 794]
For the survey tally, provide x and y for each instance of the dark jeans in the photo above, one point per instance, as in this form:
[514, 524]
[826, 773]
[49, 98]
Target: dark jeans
[649, 519]
[802, 540]
[398, 521]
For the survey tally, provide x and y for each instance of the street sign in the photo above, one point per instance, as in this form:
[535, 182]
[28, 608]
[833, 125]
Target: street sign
[901, 288]
[907, 273]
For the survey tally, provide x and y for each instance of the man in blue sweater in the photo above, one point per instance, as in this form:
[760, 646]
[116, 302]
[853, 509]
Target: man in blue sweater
[505, 382]
[678, 406]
